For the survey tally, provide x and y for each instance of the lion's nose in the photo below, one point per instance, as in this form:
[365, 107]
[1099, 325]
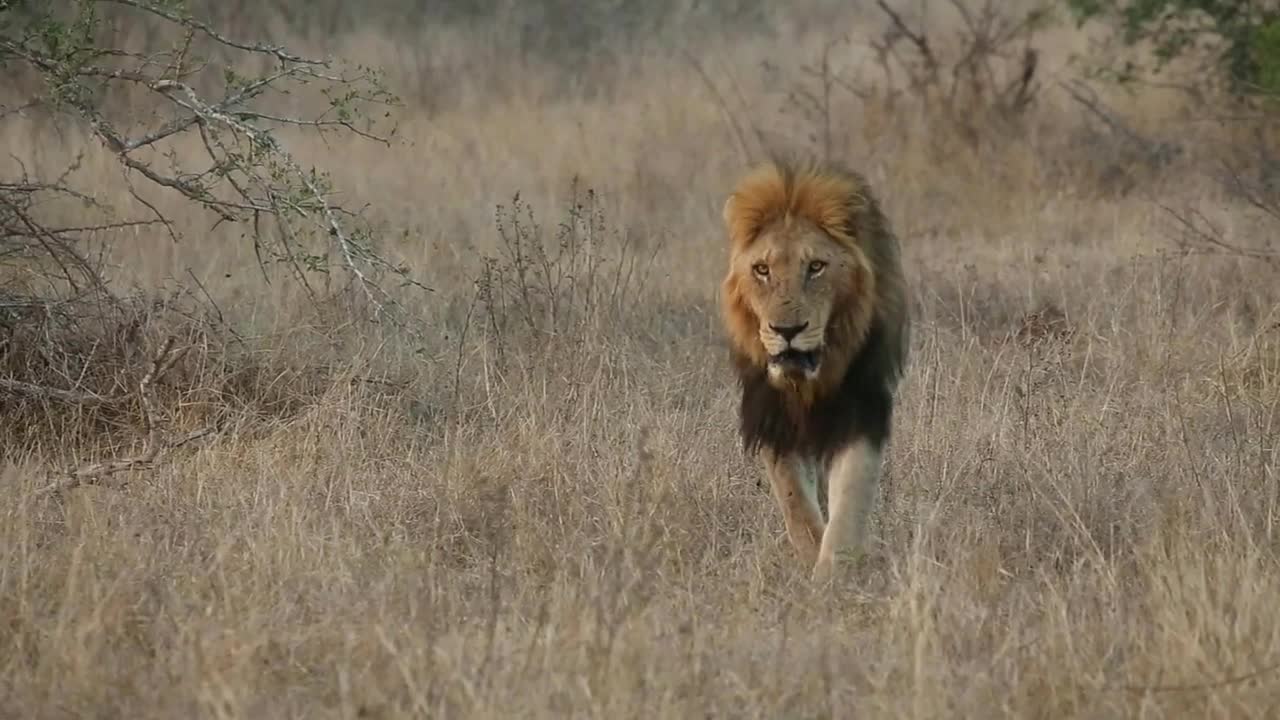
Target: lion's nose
[788, 332]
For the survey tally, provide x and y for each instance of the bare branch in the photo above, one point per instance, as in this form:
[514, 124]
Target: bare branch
[85, 228]
[1199, 230]
[1158, 153]
[187, 21]
[918, 39]
[73, 397]
[17, 109]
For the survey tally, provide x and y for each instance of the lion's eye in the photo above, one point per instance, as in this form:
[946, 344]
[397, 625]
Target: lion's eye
[816, 267]
[760, 269]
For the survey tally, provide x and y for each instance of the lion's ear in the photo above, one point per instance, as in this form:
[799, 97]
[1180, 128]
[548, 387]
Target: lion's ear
[727, 212]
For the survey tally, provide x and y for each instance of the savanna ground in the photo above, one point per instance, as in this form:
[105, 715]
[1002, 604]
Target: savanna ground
[535, 513]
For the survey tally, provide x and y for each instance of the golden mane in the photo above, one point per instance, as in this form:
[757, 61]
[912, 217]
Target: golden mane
[827, 198]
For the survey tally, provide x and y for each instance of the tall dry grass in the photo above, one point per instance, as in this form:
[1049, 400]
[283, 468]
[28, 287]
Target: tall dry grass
[542, 510]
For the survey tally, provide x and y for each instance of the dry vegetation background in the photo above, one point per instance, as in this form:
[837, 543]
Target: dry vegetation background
[537, 507]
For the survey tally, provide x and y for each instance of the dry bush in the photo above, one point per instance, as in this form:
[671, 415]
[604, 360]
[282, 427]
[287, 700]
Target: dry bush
[535, 505]
[578, 282]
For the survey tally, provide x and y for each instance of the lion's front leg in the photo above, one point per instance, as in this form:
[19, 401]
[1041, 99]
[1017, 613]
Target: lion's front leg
[851, 491]
[795, 488]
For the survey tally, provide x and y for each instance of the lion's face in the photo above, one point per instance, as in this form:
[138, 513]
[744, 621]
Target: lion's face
[792, 277]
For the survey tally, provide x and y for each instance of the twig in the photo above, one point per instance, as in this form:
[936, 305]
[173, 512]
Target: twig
[1157, 152]
[85, 228]
[1197, 687]
[6, 111]
[190, 22]
[1249, 191]
[73, 397]
[918, 39]
[1207, 234]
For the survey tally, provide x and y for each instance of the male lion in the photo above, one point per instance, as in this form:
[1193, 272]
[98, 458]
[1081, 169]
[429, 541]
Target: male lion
[814, 306]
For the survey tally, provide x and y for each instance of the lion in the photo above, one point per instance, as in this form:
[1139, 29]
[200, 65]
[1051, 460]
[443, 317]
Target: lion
[814, 305]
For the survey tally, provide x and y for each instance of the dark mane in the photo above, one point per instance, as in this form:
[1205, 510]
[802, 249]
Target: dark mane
[861, 406]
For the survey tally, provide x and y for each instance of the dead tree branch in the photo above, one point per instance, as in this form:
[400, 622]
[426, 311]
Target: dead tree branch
[1157, 153]
[1201, 236]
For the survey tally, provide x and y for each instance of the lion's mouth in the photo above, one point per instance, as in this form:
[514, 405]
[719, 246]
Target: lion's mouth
[796, 362]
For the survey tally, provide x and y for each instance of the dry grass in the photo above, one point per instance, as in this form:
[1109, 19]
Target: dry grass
[551, 518]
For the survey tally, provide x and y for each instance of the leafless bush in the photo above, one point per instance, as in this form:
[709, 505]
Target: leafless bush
[572, 283]
[988, 63]
[975, 73]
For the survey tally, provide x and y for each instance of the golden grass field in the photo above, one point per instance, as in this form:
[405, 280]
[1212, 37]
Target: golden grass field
[553, 518]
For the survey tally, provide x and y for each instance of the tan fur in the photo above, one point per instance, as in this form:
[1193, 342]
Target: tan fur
[780, 219]
[793, 481]
[855, 472]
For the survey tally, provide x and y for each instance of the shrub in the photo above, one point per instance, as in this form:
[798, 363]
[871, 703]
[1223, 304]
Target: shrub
[1237, 40]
